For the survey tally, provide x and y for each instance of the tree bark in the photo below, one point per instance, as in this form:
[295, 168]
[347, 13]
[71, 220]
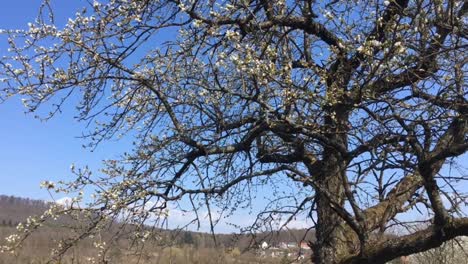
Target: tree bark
[333, 240]
[330, 244]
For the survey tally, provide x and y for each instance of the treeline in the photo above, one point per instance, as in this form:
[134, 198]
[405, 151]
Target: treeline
[172, 246]
[14, 210]
[241, 241]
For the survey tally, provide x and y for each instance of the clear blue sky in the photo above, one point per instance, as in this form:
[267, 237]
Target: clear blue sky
[31, 150]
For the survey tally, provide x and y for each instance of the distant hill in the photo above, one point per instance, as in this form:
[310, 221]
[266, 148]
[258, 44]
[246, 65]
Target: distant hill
[195, 246]
[179, 247]
[14, 210]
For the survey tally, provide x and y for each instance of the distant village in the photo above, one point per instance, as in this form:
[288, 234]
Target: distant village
[290, 250]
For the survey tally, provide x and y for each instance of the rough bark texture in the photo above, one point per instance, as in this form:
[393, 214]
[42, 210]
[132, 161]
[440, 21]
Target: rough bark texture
[334, 240]
[330, 232]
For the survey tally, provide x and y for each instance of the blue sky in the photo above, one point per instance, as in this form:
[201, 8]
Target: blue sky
[31, 150]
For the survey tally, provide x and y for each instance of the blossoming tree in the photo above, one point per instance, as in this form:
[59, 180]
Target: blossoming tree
[350, 112]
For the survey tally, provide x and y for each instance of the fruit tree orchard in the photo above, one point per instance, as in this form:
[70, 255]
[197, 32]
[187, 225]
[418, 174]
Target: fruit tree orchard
[351, 111]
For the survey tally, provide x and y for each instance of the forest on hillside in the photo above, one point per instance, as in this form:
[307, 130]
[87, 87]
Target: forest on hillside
[173, 246]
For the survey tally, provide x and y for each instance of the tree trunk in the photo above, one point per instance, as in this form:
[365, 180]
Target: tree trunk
[332, 242]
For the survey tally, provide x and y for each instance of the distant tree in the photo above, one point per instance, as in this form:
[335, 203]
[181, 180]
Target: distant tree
[12, 200]
[187, 238]
[345, 112]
